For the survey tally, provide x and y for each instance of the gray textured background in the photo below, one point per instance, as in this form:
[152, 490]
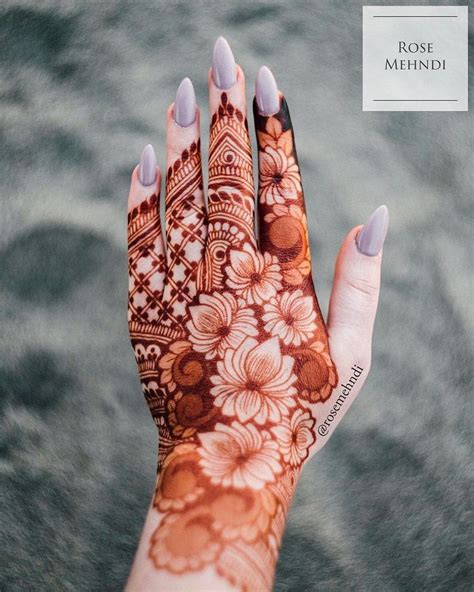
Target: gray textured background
[85, 85]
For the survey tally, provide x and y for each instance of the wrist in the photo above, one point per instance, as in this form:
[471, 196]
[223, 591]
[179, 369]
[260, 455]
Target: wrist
[203, 523]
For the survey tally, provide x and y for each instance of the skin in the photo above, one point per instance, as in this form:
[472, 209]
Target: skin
[209, 527]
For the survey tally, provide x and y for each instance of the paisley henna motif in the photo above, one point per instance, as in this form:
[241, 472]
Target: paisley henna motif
[231, 348]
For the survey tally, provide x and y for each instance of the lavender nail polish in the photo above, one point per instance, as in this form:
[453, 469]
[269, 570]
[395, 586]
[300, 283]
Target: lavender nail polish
[266, 92]
[147, 166]
[224, 72]
[372, 236]
[185, 104]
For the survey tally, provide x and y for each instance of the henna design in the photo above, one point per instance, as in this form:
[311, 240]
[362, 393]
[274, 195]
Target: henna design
[231, 191]
[147, 264]
[185, 232]
[281, 201]
[231, 348]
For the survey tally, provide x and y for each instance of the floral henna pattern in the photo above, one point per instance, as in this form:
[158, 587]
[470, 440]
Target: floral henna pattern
[232, 351]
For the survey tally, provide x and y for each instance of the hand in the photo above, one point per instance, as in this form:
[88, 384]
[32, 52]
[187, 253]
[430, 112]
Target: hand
[242, 377]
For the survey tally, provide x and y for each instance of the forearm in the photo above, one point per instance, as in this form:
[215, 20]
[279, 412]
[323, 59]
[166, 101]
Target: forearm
[199, 536]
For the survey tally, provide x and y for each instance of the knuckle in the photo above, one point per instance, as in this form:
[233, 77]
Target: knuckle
[364, 287]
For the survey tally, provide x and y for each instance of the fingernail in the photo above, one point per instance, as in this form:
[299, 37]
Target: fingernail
[372, 236]
[147, 166]
[266, 92]
[185, 104]
[223, 64]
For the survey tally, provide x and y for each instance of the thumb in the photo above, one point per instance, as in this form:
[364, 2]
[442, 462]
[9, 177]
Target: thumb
[355, 293]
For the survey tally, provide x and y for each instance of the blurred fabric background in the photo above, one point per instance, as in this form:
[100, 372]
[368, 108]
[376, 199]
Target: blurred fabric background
[85, 85]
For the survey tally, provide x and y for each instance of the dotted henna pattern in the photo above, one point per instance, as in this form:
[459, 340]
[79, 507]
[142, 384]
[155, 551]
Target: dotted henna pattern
[231, 348]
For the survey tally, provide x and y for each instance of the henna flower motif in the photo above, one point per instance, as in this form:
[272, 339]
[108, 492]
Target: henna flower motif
[185, 541]
[239, 456]
[291, 317]
[275, 137]
[255, 382]
[179, 367]
[288, 233]
[219, 322]
[253, 276]
[279, 176]
[188, 412]
[243, 513]
[317, 375]
[295, 436]
[180, 482]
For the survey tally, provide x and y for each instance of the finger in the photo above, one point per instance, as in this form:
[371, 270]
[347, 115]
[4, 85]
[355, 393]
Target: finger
[146, 255]
[355, 292]
[283, 228]
[185, 206]
[231, 190]
[352, 310]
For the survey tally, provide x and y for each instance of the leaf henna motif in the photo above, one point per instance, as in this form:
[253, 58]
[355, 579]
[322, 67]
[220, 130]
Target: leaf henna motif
[231, 348]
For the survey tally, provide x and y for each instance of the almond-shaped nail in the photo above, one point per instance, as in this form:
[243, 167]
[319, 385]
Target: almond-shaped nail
[372, 236]
[266, 92]
[147, 166]
[223, 65]
[185, 104]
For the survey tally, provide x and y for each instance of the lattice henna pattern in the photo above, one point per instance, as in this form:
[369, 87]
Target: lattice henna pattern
[234, 359]
[147, 265]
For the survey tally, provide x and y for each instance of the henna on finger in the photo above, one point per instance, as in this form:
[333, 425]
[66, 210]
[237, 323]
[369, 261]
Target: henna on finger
[283, 228]
[146, 255]
[231, 188]
[185, 233]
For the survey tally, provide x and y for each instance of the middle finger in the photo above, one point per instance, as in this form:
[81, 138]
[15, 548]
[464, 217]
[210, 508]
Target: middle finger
[231, 189]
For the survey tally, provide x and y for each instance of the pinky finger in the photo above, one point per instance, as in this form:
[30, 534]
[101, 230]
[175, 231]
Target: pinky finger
[146, 255]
